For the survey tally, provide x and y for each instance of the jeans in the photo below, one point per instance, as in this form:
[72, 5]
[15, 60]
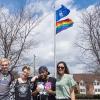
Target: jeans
[64, 99]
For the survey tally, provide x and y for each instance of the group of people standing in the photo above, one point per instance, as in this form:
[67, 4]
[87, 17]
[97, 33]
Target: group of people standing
[39, 87]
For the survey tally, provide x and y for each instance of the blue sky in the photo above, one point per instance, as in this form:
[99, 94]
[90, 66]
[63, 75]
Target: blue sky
[13, 4]
[16, 4]
[84, 3]
[64, 41]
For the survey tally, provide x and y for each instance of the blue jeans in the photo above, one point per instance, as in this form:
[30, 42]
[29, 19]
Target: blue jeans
[64, 99]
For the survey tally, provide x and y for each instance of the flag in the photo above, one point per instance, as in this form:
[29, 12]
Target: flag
[63, 24]
[62, 12]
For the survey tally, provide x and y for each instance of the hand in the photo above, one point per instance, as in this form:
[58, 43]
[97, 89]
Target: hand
[38, 89]
[35, 92]
[49, 91]
[34, 78]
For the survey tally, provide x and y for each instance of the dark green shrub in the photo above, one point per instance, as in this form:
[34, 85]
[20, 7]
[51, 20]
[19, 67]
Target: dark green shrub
[83, 96]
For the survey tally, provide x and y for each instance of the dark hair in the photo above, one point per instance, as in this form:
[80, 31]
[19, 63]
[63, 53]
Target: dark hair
[42, 69]
[26, 67]
[65, 65]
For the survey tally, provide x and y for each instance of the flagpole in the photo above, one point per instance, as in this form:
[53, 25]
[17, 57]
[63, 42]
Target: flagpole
[55, 42]
[59, 14]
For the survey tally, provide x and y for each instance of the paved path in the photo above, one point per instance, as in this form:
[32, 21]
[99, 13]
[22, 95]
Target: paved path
[87, 99]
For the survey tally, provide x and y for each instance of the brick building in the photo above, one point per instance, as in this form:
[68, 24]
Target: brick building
[88, 83]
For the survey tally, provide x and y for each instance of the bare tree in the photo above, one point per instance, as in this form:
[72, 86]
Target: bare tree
[14, 33]
[91, 35]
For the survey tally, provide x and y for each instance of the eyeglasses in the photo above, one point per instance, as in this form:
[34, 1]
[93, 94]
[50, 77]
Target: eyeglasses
[60, 67]
[4, 65]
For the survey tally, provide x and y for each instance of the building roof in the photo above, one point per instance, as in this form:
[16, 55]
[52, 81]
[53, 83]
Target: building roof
[86, 77]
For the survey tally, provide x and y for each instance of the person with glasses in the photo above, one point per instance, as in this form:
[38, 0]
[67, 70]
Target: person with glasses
[21, 87]
[5, 79]
[44, 86]
[65, 83]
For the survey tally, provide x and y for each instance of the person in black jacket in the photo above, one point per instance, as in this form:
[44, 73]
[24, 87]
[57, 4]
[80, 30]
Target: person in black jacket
[44, 86]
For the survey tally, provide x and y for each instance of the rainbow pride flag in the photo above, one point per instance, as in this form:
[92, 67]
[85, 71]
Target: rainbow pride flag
[63, 24]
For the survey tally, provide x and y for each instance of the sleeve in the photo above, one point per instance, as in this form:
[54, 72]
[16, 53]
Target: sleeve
[54, 84]
[72, 82]
[34, 85]
[12, 90]
[12, 87]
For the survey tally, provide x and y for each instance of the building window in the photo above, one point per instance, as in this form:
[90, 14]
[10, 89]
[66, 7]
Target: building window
[95, 90]
[82, 90]
[98, 90]
[82, 83]
[94, 83]
[97, 83]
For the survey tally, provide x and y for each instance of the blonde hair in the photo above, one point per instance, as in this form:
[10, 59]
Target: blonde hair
[4, 60]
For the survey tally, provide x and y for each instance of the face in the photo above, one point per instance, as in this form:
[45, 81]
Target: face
[43, 75]
[25, 73]
[4, 66]
[61, 69]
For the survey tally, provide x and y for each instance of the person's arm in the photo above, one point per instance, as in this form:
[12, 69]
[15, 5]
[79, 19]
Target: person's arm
[51, 92]
[12, 90]
[12, 86]
[36, 91]
[72, 87]
[34, 78]
[72, 94]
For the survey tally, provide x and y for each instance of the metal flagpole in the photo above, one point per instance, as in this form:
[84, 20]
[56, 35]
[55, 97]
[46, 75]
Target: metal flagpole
[34, 65]
[58, 14]
[55, 41]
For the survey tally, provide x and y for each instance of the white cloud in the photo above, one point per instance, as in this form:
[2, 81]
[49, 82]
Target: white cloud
[58, 3]
[4, 10]
[79, 68]
[64, 40]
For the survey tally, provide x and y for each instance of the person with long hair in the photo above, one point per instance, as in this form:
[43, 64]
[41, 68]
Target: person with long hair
[65, 83]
